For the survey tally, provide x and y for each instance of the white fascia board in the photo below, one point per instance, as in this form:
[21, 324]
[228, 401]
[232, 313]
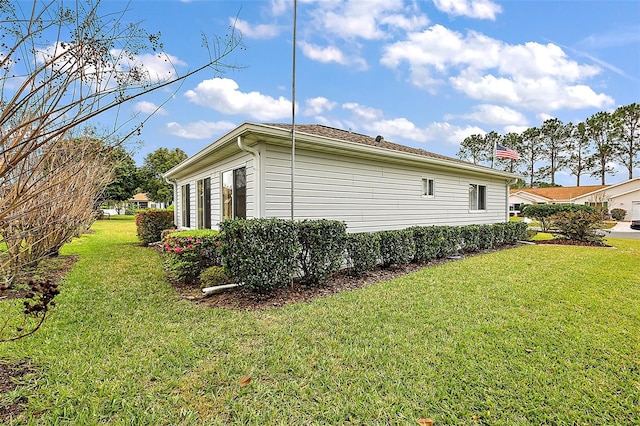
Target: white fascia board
[262, 131]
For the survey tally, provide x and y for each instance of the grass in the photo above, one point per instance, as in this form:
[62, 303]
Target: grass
[532, 335]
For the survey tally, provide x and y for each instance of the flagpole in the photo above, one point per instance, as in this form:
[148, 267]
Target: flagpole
[293, 111]
[493, 156]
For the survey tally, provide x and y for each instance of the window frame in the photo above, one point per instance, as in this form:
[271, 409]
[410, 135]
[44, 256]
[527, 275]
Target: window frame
[185, 201]
[428, 188]
[234, 203]
[204, 203]
[477, 197]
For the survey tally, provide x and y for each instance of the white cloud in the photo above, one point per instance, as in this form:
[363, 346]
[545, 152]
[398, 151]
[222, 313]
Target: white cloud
[363, 112]
[199, 129]
[330, 54]
[157, 67]
[278, 7]
[147, 107]
[322, 54]
[315, 106]
[260, 31]
[496, 115]
[222, 95]
[530, 75]
[481, 9]
[366, 19]
[545, 94]
[515, 129]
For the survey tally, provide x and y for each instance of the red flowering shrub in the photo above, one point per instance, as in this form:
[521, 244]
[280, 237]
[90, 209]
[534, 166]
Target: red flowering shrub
[150, 224]
[188, 253]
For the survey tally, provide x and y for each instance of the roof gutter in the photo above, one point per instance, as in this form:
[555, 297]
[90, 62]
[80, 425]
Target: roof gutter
[257, 187]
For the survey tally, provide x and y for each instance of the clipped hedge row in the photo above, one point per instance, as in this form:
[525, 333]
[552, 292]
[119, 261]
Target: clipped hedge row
[151, 222]
[262, 253]
[322, 244]
[267, 253]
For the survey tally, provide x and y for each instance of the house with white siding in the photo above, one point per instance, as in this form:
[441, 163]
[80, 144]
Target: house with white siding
[624, 195]
[366, 182]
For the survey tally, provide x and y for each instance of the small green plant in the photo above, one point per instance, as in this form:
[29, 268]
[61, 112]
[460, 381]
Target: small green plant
[214, 276]
[151, 222]
[618, 214]
[579, 225]
[188, 253]
[543, 212]
[363, 252]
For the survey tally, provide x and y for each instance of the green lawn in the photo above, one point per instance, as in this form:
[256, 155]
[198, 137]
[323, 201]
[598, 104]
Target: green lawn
[533, 335]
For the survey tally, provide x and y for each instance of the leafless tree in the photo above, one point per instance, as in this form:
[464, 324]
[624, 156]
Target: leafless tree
[63, 65]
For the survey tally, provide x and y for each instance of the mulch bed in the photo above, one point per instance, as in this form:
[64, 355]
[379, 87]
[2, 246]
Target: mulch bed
[242, 299]
[563, 242]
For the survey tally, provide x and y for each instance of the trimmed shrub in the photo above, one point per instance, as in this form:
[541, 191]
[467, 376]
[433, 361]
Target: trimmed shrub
[618, 214]
[543, 212]
[151, 222]
[260, 252]
[214, 276]
[579, 225]
[428, 242]
[363, 252]
[498, 234]
[397, 247]
[188, 253]
[322, 244]
[470, 238]
[513, 232]
[451, 241]
[485, 237]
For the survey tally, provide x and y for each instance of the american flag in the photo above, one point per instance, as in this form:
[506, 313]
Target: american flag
[504, 152]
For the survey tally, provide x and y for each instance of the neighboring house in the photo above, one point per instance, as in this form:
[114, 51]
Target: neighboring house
[367, 182]
[623, 195]
[142, 201]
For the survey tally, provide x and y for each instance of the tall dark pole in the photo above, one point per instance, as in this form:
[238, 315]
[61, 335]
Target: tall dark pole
[293, 111]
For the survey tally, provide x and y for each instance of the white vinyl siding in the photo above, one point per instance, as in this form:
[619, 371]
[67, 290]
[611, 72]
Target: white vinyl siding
[373, 195]
[214, 172]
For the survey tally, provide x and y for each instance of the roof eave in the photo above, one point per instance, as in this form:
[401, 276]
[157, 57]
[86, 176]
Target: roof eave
[311, 140]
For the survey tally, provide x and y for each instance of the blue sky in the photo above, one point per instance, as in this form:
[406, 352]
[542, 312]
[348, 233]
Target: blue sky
[421, 73]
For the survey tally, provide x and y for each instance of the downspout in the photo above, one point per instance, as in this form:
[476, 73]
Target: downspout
[508, 189]
[174, 183]
[257, 188]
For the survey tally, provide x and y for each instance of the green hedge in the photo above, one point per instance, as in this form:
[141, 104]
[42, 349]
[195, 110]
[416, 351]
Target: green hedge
[151, 222]
[188, 253]
[428, 241]
[262, 253]
[451, 241]
[470, 238]
[267, 253]
[542, 212]
[363, 252]
[322, 245]
[397, 247]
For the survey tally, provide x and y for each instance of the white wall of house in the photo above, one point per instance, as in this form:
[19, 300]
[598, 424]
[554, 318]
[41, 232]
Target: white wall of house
[214, 172]
[620, 196]
[372, 195]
